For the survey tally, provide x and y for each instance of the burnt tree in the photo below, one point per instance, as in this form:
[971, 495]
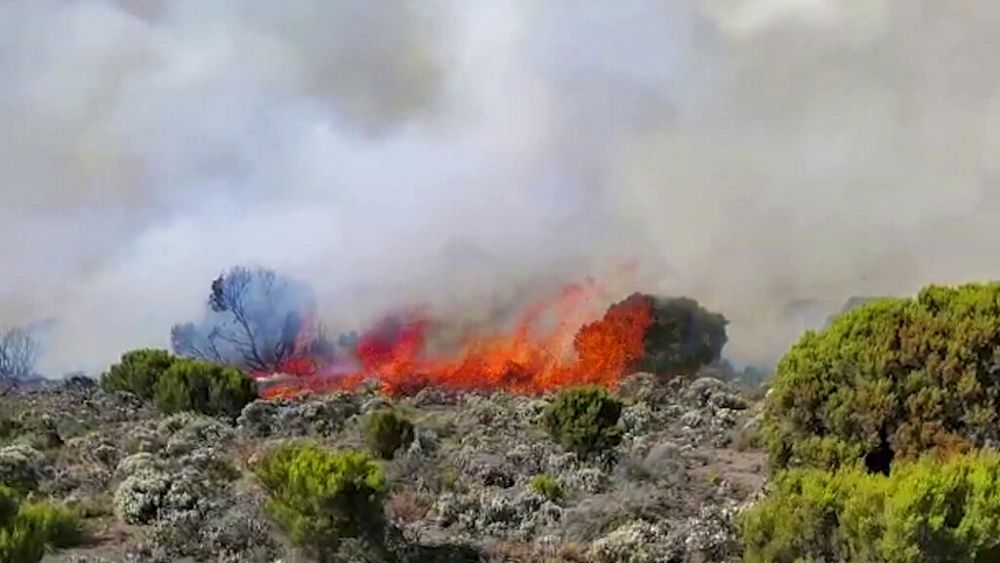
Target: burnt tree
[253, 320]
[18, 353]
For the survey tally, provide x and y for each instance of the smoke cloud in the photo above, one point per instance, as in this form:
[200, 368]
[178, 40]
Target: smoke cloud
[770, 158]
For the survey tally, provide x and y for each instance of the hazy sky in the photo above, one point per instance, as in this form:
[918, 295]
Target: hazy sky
[768, 157]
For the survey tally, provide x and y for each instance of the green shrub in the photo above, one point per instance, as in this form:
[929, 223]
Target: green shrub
[682, 337]
[9, 501]
[138, 371]
[9, 428]
[387, 431]
[212, 389]
[546, 486]
[29, 530]
[584, 420]
[926, 511]
[891, 378]
[321, 497]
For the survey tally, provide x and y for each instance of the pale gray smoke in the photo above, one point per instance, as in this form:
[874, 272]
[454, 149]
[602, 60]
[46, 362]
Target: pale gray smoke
[769, 157]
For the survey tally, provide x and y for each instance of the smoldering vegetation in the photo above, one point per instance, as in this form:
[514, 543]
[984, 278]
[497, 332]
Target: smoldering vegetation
[751, 154]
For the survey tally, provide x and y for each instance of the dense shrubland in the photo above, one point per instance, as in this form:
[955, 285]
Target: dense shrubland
[880, 430]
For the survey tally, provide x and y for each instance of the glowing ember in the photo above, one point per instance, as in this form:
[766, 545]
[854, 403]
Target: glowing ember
[542, 352]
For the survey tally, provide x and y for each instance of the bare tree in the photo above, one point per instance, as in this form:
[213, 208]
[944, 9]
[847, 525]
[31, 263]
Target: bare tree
[18, 353]
[254, 321]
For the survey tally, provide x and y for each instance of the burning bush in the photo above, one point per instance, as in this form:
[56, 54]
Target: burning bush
[387, 431]
[584, 420]
[540, 353]
[322, 497]
[191, 385]
[891, 378]
[137, 372]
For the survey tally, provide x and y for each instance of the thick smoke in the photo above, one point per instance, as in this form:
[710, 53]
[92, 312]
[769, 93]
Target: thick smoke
[769, 157]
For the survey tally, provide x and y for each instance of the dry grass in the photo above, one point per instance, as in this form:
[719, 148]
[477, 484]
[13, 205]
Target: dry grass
[405, 507]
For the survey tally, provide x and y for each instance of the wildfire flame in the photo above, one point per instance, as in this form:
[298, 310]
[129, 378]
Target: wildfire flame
[551, 346]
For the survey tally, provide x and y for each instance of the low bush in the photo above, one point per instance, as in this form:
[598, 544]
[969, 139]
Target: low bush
[10, 427]
[29, 530]
[584, 420]
[926, 511]
[137, 372]
[21, 467]
[891, 378]
[321, 497]
[546, 486]
[207, 388]
[387, 431]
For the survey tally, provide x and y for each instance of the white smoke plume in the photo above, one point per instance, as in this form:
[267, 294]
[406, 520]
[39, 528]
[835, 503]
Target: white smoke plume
[770, 158]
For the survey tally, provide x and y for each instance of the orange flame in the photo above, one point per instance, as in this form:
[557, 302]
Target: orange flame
[542, 352]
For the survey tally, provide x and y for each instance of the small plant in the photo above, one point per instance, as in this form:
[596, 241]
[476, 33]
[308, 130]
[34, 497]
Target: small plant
[387, 431]
[29, 530]
[137, 372]
[584, 420]
[212, 389]
[546, 486]
[321, 497]
[450, 480]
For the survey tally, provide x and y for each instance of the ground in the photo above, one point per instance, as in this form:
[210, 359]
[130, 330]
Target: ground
[181, 488]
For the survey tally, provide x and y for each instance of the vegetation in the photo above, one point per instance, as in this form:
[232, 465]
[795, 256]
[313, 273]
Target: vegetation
[892, 378]
[321, 497]
[925, 511]
[584, 420]
[138, 371]
[547, 486]
[18, 353]
[253, 320]
[9, 427]
[212, 389]
[683, 337]
[30, 529]
[387, 431]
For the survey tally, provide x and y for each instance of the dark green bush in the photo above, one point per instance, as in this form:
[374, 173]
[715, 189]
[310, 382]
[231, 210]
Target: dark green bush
[320, 497]
[891, 378]
[138, 371]
[584, 420]
[682, 337]
[387, 431]
[29, 530]
[212, 389]
[546, 486]
[9, 501]
[927, 511]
